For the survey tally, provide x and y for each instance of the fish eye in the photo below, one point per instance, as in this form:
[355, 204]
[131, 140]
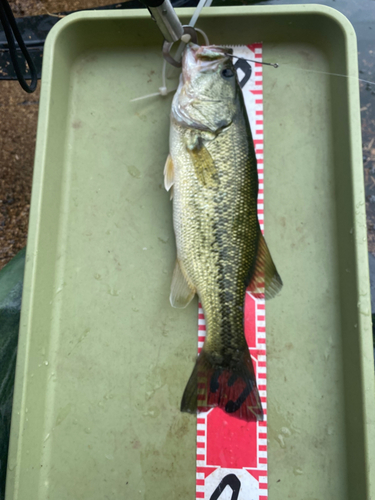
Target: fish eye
[227, 73]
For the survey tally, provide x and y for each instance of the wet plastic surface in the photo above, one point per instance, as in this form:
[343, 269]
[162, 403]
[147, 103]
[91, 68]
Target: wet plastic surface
[103, 358]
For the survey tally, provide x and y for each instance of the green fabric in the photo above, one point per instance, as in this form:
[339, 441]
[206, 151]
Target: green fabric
[11, 281]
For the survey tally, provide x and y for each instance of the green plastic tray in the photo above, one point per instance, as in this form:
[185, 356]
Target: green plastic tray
[103, 359]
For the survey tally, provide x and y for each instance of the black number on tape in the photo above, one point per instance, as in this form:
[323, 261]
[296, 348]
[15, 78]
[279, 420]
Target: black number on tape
[245, 67]
[230, 480]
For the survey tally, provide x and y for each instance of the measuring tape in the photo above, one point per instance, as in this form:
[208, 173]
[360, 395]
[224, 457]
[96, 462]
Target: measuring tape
[232, 453]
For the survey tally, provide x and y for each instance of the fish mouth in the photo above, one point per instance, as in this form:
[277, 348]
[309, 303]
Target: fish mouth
[212, 53]
[202, 58]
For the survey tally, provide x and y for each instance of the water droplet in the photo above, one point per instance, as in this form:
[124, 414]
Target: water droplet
[135, 309]
[12, 464]
[113, 292]
[144, 248]
[46, 363]
[149, 394]
[63, 413]
[298, 471]
[48, 435]
[153, 412]
[97, 276]
[109, 457]
[280, 440]
[355, 326]
[351, 231]
[101, 404]
[133, 171]
[163, 240]
[88, 430]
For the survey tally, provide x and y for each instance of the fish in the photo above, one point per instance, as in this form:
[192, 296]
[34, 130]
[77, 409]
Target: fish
[211, 173]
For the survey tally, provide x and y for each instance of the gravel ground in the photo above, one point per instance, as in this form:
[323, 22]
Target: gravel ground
[38, 7]
[19, 116]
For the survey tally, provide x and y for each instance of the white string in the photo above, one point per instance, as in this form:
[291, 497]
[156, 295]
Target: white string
[163, 90]
[325, 73]
[197, 12]
[192, 22]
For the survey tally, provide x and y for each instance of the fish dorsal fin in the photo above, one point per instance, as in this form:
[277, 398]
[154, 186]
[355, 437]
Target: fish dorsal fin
[265, 278]
[182, 292]
[168, 173]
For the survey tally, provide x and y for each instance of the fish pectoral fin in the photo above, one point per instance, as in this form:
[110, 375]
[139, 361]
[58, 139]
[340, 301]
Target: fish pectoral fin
[204, 165]
[168, 173]
[265, 278]
[181, 292]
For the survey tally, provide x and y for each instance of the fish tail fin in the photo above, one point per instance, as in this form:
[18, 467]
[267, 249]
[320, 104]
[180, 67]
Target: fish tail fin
[233, 389]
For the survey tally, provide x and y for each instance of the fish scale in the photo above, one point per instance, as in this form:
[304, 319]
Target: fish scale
[220, 248]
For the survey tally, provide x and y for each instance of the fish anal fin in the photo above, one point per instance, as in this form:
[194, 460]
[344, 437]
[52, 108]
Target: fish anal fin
[233, 389]
[168, 173]
[181, 292]
[265, 278]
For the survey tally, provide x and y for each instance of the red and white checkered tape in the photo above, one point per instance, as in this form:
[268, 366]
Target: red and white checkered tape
[231, 453]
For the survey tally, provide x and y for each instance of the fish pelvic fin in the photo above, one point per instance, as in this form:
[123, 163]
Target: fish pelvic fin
[265, 278]
[233, 389]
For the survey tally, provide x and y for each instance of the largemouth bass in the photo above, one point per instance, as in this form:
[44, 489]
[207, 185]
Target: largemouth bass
[212, 174]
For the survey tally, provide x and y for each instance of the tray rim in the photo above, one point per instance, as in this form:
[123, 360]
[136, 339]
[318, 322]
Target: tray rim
[357, 177]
